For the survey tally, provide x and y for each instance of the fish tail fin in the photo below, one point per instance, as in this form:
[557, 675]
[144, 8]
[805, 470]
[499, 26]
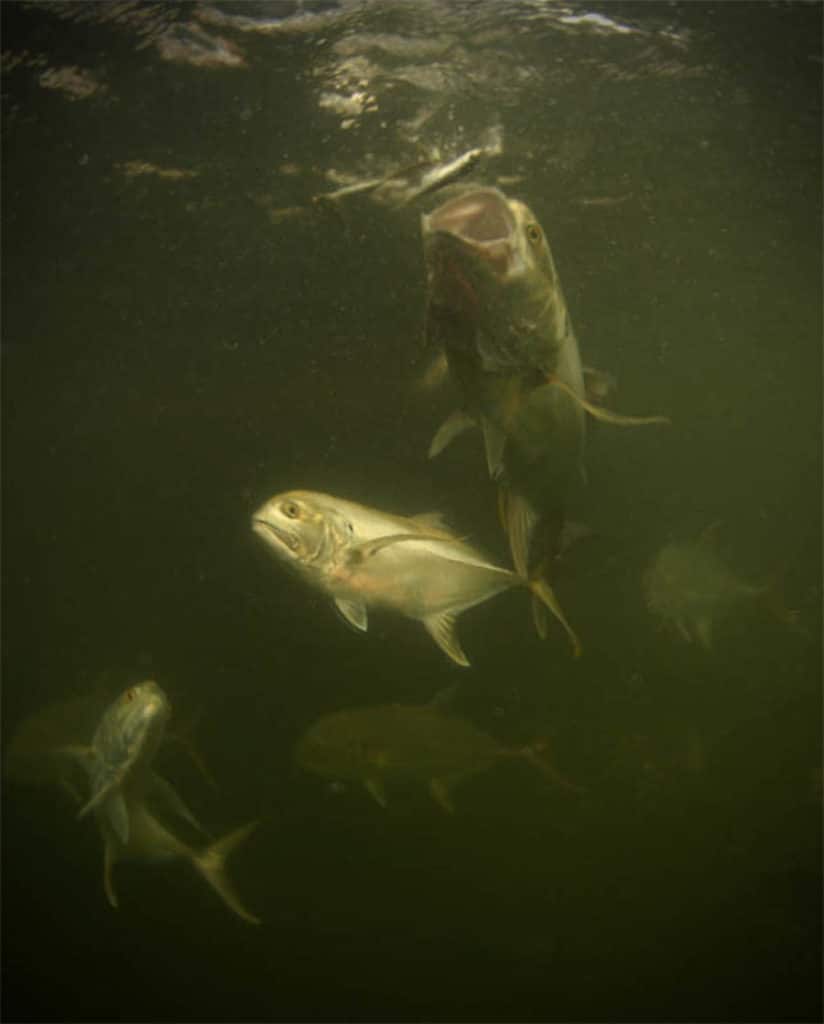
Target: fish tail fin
[537, 754]
[211, 861]
[543, 598]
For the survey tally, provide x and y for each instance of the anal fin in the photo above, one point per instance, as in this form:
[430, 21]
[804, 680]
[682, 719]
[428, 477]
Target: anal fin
[442, 630]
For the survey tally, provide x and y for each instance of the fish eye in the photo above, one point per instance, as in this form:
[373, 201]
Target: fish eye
[129, 696]
[291, 509]
[533, 233]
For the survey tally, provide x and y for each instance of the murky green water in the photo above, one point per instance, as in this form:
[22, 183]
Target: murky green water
[176, 349]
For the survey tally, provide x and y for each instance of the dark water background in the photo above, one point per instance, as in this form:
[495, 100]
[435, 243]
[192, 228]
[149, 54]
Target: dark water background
[173, 354]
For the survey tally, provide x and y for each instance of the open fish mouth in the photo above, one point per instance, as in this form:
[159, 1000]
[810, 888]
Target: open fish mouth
[483, 221]
[270, 533]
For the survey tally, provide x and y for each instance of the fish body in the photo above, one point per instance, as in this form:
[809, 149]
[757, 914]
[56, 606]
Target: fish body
[497, 308]
[362, 557]
[129, 800]
[395, 744]
[690, 587]
[123, 748]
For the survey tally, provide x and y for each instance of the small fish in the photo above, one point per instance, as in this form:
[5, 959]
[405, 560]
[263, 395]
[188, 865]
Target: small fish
[395, 188]
[690, 587]
[444, 174]
[124, 790]
[396, 743]
[362, 557]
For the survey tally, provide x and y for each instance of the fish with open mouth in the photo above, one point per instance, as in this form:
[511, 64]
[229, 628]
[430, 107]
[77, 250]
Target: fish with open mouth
[496, 307]
[362, 557]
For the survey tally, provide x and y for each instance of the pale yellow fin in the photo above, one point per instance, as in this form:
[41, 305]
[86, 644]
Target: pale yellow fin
[599, 413]
[544, 596]
[519, 520]
[354, 612]
[211, 864]
[442, 630]
[451, 428]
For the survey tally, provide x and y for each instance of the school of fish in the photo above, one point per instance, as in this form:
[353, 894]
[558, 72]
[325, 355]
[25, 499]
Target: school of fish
[496, 315]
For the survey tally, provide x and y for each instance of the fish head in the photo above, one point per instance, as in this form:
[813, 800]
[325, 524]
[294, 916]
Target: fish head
[133, 725]
[488, 260]
[295, 526]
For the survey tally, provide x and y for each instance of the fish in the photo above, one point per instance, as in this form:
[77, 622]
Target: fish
[689, 587]
[495, 305]
[395, 744]
[396, 188]
[125, 793]
[443, 174]
[362, 557]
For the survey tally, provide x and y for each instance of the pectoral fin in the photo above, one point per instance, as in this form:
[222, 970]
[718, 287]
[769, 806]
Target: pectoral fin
[599, 413]
[354, 612]
[451, 428]
[442, 630]
[375, 788]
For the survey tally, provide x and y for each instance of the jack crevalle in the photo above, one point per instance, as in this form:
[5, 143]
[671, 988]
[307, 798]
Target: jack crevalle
[362, 557]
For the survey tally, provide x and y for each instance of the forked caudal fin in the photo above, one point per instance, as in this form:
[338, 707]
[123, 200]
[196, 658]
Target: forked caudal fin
[211, 863]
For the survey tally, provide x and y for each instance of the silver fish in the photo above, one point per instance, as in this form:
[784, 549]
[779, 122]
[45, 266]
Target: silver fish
[396, 743]
[362, 557]
[123, 786]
